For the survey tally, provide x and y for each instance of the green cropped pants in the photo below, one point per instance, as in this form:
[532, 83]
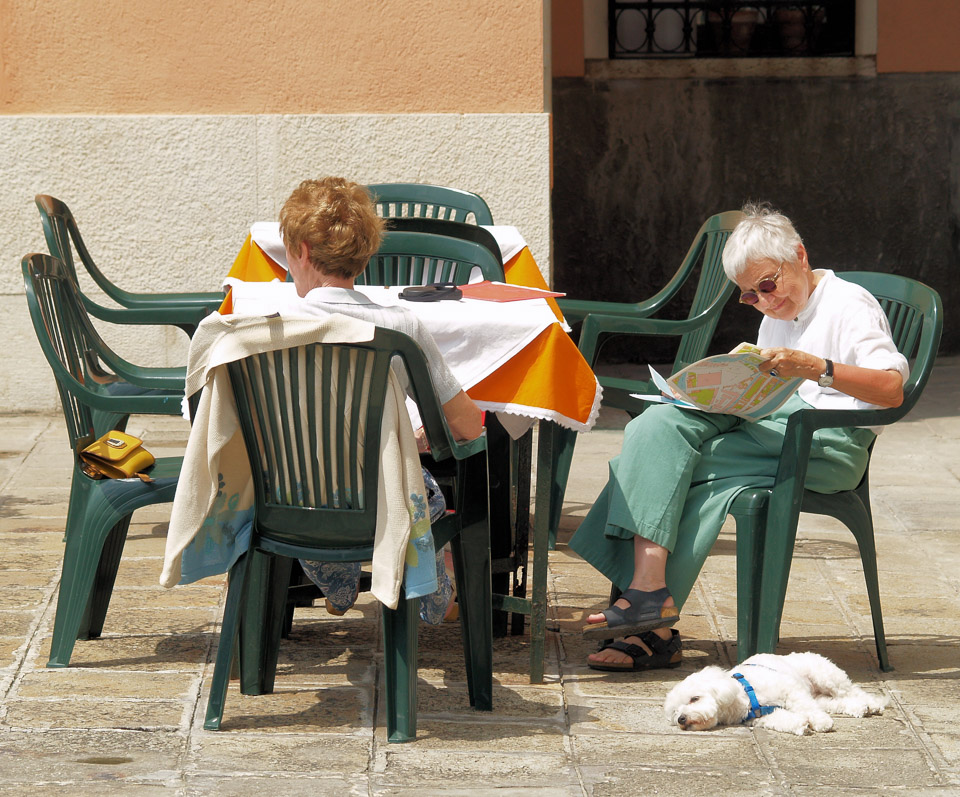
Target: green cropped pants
[679, 471]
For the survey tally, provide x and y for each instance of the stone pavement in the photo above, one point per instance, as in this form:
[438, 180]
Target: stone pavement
[127, 716]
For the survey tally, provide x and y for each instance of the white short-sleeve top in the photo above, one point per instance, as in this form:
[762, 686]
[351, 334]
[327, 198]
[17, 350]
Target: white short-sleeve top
[842, 322]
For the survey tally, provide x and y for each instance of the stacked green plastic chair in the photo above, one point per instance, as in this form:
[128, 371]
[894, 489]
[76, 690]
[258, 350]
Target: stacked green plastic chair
[183, 310]
[604, 320]
[418, 258]
[330, 446]
[452, 229]
[99, 510]
[767, 518]
[429, 201]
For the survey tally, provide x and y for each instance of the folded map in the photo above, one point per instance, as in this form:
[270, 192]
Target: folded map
[731, 384]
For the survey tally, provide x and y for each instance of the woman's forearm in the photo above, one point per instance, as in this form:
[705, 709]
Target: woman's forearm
[883, 388]
[464, 417]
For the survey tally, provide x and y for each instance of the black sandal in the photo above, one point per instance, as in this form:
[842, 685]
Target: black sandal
[658, 653]
[646, 612]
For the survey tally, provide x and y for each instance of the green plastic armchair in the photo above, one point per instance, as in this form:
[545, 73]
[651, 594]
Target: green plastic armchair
[417, 258]
[99, 510]
[329, 446]
[767, 518]
[431, 201]
[602, 320]
[183, 310]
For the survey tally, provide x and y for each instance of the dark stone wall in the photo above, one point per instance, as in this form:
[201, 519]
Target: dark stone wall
[867, 168]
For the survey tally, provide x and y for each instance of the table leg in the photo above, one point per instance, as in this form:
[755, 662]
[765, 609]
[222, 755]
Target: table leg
[521, 523]
[501, 536]
[541, 530]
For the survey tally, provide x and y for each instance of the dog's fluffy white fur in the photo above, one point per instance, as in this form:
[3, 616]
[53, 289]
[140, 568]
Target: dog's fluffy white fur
[805, 687]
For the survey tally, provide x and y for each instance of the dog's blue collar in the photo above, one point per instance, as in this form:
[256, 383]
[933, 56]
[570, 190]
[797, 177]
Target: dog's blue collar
[756, 710]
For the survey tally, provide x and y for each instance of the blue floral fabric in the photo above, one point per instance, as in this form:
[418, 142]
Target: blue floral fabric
[338, 580]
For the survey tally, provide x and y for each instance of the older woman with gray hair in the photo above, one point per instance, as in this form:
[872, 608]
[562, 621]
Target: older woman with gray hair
[668, 492]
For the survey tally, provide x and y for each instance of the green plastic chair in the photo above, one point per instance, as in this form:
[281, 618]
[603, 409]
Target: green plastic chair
[287, 442]
[183, 310]
[602, 320]
[767, 518]
[99, 511]
[430, 201]
[454, 229]
[418, 258]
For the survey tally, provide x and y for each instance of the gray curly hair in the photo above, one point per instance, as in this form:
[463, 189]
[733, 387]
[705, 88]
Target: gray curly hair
[764, 234]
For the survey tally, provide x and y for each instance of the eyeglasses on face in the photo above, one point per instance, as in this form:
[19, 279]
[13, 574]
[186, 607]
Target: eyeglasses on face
[767, 285]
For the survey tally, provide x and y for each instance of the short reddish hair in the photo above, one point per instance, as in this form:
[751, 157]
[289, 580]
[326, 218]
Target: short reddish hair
[338, 222]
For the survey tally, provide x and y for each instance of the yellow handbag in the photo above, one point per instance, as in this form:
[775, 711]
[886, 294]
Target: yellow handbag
[116, 455]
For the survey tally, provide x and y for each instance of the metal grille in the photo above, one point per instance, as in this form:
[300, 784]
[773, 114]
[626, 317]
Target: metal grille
[723, 29]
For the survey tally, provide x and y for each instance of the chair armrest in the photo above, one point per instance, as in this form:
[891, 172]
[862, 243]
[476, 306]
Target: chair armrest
[210, 300]
[169, 315]
[596, 324]
[788, 486]
[575, 310]
[156, 378]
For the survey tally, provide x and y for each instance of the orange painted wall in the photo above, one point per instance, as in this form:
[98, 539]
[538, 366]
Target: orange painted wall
[918, 36]
[271, 56]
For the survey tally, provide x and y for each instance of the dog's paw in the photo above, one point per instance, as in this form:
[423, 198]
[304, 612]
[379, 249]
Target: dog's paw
[821, 723]
[861, 704]
[875, 704]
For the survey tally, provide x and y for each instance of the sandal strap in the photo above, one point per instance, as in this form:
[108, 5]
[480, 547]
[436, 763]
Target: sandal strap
[637, 610]
[662, 646]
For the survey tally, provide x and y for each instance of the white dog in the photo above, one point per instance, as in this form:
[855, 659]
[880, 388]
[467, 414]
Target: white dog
[783, 693]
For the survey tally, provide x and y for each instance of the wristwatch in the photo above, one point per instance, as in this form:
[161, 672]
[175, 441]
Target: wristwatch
[826, 378]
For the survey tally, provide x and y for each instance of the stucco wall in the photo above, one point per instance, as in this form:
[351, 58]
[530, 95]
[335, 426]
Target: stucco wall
[271, 56]
[869, 169]
[164, 202]
[169, 128]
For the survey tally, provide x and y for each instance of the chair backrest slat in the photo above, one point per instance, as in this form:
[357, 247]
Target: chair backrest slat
[915, 313]
[429, 201]
[67, 338]
[317, 448]
[417, 258]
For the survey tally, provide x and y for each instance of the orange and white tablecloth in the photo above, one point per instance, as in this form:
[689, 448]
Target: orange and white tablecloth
[543, 377]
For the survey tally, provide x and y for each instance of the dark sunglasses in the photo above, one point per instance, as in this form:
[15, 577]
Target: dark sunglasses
[768, 285]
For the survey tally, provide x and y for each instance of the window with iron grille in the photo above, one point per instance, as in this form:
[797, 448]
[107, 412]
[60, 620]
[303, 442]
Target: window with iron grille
[730, 29]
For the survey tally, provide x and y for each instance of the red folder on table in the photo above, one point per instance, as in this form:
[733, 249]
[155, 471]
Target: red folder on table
[500, 292]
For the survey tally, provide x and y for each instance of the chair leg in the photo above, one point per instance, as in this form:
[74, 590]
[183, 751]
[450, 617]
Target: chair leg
[471, 562]
[778, 544]
[750, 533]
[91, 521]
[564, 442]
[400, 669]
[229, 630]
[868, 558]
[262, 621]
[91, 626]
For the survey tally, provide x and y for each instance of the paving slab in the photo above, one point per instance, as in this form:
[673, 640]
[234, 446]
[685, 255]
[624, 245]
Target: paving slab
[127, 716]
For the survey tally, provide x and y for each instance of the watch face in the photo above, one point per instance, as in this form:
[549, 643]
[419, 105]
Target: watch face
[825, 381]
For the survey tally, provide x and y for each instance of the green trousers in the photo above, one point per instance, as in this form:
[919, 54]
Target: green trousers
[677, 474]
